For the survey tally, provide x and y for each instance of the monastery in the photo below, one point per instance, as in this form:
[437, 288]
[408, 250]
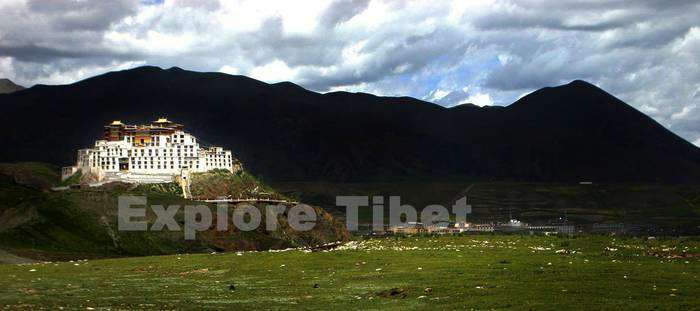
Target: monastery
[151, 153]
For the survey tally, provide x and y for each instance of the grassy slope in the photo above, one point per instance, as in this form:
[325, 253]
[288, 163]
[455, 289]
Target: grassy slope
[31, 174]
[219, 182]
[37, 223]
[481, 272]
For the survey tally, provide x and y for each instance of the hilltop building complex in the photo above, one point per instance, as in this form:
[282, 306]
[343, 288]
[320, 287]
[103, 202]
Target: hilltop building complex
[154, 152]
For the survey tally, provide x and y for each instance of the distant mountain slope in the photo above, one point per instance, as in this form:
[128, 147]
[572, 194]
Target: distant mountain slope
[7, 86]
[283, 132]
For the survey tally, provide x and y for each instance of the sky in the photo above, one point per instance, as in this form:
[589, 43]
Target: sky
[490, 52]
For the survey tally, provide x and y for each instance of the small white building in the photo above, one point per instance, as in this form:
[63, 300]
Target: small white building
[156, 152]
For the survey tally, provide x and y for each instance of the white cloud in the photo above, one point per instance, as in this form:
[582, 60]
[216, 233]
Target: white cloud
[275, 71]
[648, 109]
[480, 99]
[229, 69]
[437, 94]
[683, 113]
[6, 68]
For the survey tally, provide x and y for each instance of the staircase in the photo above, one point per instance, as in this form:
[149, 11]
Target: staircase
[185, 185]
[184, 181]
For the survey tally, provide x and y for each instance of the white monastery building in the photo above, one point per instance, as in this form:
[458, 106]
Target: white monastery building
[147, 153]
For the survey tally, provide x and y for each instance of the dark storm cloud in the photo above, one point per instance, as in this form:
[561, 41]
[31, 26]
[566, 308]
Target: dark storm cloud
[82, 15]
[38, 54]
[663, 33]
[342, 10]
[44, 32]
[564, 15]
[392, 58]
[582, 36]
[270, 42]
[524, 20]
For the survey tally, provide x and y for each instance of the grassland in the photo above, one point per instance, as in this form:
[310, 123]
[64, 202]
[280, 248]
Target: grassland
[668, 206]
[447, 272]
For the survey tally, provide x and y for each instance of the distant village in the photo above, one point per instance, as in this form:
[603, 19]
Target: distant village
[514, 226]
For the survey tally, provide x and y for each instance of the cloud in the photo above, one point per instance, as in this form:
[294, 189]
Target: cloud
[68, 15]
[480, 99]
[483, 52]
[341, 11]
[436, 95]
[683, 113]
[448, 98]
[275, 71]
[229, 70]
[459, 97]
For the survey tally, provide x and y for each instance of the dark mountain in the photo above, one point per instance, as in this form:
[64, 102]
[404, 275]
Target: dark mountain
[283, 132]
[7, 86]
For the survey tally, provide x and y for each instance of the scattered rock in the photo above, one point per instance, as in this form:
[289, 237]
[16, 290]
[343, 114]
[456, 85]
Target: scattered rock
[393, 293]
[30, 291]
[232, 286]
[316, 285]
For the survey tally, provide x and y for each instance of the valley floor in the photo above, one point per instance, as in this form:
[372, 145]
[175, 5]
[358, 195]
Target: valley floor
[445, 272]
[668, 207]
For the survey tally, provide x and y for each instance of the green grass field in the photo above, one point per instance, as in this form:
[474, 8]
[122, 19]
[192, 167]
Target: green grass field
[446, 272]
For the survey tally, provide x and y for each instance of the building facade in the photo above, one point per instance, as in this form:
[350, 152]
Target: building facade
[161, 148]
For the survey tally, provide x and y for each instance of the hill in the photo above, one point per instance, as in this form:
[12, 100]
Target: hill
[7, 86]
[281, 131]
[82, 223]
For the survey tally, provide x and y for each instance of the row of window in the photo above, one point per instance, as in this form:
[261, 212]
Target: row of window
[156, 166]
[162, 156]
[139, 161]
[114, 160]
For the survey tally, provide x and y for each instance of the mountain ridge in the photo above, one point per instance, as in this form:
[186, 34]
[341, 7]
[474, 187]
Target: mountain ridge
[282, 131]
[7, 86]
